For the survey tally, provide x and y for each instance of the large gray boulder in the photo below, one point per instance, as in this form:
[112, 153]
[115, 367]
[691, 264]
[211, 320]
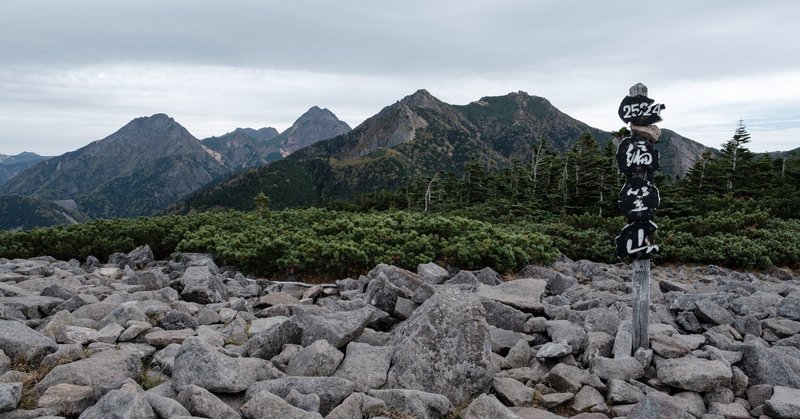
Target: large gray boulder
[659, 405]
[165, 407]
[417, 404]
[331, 390]
[266, 404]
[784, 403]
[432, 273]
[103, 371]
[68, 399]
[524, 293]
[769, 366]
[382, 294]
[505, 317]
[20, 342]
[365, 365]
[398, 277]
[200, 285]
[269, 342]
[120, 404]
[564, 330]
[358, 405]
[10, 394]
[202, 403]
[694, 374]
[617, 368]
[219, 373]
[317, 359]
[486, 406]
[338, 328]
[444, 348]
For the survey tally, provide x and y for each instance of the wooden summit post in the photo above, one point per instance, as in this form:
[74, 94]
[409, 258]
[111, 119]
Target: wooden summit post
[639, 199]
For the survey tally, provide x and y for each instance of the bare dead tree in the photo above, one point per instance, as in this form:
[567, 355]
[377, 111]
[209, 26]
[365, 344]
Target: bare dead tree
[428, 191]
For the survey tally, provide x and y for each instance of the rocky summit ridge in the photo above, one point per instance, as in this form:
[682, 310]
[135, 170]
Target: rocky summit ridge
[138, 338]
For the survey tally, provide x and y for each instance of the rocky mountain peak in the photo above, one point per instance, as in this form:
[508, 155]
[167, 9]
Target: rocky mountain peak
[314, 125]
[423, 99]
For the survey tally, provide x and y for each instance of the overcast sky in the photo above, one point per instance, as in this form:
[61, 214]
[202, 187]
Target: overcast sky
[75, 71]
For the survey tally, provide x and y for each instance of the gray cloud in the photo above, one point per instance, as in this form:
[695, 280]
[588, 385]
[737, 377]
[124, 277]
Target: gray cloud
[214, 65]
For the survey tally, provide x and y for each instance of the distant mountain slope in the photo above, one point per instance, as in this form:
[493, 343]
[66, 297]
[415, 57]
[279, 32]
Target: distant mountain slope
[312, 127]
[18, 212]
[677, 153]
[245, 147]
[139, 170]
[420, 135]
[11, 166]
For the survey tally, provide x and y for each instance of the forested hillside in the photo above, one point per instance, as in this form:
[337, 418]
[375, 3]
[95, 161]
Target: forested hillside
[734, 208]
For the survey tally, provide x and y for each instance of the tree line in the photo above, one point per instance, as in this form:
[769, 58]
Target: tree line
[585, 180]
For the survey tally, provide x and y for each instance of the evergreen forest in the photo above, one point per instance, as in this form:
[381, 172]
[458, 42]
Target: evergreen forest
[734, 208]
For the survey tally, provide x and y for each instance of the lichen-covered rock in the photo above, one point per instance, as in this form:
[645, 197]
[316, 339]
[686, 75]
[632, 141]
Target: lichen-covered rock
[331, 390]
[103, 371]
[19, 341]
[10, 394]
[219, 373]
[365, 365]
[200, 402]
[338, 328]
[432, 273]
[486, 406]
[120, 404]
[265, 404]
[317, 359]
[694, 374]
[418, 404]
[444, 348]
[201, 285]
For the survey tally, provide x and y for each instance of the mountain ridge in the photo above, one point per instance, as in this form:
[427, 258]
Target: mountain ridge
[420, 135]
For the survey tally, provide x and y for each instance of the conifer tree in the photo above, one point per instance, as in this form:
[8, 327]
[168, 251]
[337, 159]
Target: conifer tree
[734, 153]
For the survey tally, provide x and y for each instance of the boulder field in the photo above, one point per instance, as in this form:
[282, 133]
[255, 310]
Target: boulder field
[140, 338]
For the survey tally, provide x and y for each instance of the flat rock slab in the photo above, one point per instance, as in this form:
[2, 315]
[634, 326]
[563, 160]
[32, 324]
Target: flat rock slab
[102, 371]
[19, 341]
[331, 390]
[784, 403]
[694, 374]
[524, 294]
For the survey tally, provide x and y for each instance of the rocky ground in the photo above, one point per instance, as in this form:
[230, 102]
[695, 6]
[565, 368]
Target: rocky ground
[137, 338]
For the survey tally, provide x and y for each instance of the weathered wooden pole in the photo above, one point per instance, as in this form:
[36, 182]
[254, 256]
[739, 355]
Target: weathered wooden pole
[641, 303]
[638, 200]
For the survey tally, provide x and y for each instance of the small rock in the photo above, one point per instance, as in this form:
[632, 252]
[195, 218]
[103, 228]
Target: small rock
[418, 404]
[331, 390]
[512, 391]
[711, 312]
[200, 402]
[668, 347]
[589, 399]
[68, 399]
[165, 407]
[120, 404]
[266, 404]
[107, 334]
[432, 273]
[554, 350]
[162, 338]
[307, 402]
[620, 392]
[317, 359]
[365, 365]
[784, 403]
[728, 410]
[487, 406]
[617, 368]
[10, 393]
[556, 399]
[694, 374]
